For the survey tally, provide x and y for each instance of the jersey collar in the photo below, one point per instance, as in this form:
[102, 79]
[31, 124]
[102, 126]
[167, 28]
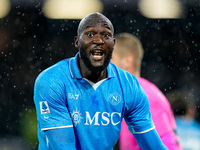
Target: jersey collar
[75, 72]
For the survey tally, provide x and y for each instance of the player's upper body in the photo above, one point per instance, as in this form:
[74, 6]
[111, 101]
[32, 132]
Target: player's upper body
[128, 55]
[81, 101]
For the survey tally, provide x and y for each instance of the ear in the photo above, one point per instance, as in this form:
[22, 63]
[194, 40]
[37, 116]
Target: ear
[114, 41]
[76, 41]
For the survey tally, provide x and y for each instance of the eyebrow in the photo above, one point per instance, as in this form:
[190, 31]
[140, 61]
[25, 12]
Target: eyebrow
[89, 26]
[104, 25]
[108, 27]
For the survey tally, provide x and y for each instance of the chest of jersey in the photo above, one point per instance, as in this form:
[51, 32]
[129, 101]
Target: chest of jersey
[96, 106]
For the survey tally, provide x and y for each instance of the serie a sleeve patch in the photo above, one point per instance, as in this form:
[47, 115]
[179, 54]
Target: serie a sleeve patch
[44, 108]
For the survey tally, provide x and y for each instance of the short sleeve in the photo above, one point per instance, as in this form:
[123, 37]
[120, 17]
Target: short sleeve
[50, 102]
[137, 109]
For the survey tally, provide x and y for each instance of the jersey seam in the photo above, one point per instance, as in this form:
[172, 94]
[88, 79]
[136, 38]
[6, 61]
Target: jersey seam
[68, 126]
[145, 131]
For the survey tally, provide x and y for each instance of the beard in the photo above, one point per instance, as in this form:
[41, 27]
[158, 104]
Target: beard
[89, 65]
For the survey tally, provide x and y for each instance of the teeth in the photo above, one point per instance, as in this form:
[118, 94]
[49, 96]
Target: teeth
[97, 52]
[97, 56]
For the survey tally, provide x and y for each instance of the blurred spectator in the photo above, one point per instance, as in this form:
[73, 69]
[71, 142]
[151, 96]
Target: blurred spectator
[184, 108]
[128, 54]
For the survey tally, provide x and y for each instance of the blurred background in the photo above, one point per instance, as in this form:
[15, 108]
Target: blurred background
[35, 34]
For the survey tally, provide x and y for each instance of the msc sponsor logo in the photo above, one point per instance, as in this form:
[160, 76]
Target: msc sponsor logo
[99, 118]
[76, 117]
[105, 117]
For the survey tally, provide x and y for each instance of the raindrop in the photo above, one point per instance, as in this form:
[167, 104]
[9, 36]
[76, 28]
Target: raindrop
[18, 6]
[190, 62]
[188, 68]
[15, 43]
[20, 114]
[190, 24]
[159, 59]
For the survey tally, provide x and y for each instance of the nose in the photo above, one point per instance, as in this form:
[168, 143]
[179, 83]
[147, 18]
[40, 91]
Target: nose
[98, 40]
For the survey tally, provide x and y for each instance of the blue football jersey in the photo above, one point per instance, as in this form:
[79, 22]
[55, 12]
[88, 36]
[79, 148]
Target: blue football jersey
[64, 99]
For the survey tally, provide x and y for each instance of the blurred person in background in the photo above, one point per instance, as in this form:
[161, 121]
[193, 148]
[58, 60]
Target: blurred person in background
[184, 107]
[128, 54]
[81, 101]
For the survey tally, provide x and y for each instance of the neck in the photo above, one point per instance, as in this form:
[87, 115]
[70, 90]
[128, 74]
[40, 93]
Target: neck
[92, 76]
[135, 73]
[96, 77]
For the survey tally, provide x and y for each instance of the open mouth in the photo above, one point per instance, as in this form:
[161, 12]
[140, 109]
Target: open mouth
[98, 53]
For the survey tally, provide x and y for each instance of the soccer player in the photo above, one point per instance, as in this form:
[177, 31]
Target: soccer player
[81, 101]
[128, 54]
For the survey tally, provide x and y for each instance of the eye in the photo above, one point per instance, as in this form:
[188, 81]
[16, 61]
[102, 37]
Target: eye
[90, 34]
[106, 35]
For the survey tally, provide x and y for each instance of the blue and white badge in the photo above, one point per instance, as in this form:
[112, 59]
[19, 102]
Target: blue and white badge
[114, 98]
[44, 109]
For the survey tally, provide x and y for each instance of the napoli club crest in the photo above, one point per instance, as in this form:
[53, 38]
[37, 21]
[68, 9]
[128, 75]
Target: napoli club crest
[114, 98]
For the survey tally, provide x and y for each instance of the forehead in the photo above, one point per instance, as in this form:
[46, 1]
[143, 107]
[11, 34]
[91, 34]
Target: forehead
[95, 21]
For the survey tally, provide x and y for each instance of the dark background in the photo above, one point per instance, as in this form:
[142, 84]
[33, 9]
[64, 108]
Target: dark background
[29, 43]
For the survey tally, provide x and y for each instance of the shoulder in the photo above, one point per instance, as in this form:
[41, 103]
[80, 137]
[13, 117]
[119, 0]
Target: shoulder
[129, 83]
[155, 95]
[53, 72]
[146, 83]
[123, 75]
[150, 87]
